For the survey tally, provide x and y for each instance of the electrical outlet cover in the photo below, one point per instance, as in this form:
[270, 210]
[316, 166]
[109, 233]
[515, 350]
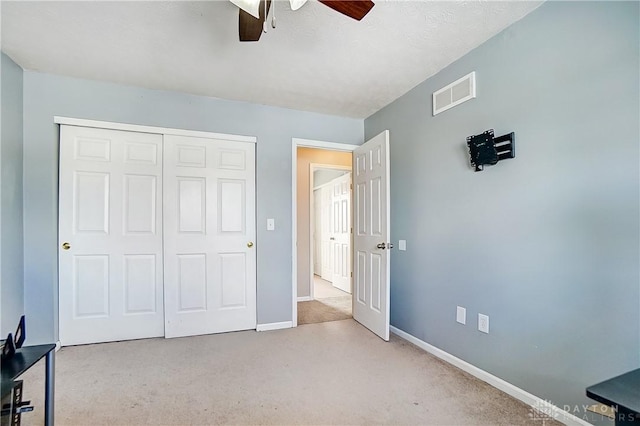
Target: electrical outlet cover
[483, 323]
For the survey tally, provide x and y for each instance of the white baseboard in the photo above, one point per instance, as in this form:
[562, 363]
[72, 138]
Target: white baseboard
[274, 326]
[305, 299]
[506, 387]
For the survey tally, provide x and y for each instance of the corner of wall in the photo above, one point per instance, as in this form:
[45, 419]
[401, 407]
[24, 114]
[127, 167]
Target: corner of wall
[11, 194]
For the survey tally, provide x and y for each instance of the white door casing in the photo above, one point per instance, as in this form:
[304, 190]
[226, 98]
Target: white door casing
[341, 231]
[209, 249]
[372, 234]
[110, 215]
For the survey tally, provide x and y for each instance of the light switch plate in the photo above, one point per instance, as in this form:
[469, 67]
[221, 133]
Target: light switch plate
[461, 315]
[271, 224]
[402, 245]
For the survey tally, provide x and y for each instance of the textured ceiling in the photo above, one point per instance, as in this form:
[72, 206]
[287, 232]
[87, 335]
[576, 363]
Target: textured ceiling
[315, 60]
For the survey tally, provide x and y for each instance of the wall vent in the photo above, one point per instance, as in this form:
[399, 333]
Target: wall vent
[455, 93]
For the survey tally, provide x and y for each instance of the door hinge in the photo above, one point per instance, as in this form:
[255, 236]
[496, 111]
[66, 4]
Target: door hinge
[352, 229]
[351, 274]
[351, 186]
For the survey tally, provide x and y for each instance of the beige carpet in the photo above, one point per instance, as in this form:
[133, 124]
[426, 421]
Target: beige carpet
[323, 289]
[323, 310]
[330, 304]
[332, 373]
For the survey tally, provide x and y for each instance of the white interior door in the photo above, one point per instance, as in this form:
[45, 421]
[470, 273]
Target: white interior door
[317, 232]
[325, 239]
[209, 252]
[110, 235]
[341, 232]
[372, 235]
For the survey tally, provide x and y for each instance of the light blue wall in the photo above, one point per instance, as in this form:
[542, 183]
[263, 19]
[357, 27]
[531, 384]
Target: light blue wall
[546, 244]
[48, 95]
[11, 243]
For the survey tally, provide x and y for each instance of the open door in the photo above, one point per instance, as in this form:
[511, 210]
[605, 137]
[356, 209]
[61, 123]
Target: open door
[371, 238]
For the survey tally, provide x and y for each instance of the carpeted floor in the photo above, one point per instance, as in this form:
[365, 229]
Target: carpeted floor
[331, 373]
[330, 304]
[323, 289]
[323, 310]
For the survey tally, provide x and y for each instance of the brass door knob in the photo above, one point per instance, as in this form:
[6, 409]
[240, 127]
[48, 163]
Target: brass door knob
[249, 244]
[66, 246]
[382, 246]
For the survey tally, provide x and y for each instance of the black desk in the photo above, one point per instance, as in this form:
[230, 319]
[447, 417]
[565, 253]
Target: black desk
[24, 359]
[623, 393]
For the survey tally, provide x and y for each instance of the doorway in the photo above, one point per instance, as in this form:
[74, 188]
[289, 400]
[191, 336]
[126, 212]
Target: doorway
[330, 225]
[330, 237]
[371, 238]
[322, 283]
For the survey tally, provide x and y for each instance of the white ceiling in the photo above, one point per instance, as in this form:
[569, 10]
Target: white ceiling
[315, 60]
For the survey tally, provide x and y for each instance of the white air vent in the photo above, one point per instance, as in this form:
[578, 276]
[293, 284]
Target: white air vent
[455, 93]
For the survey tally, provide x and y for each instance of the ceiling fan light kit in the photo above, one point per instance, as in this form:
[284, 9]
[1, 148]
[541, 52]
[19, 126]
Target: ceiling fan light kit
[249, 6]
[253, 14]
[297, 4]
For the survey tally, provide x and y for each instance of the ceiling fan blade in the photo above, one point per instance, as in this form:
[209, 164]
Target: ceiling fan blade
[249, 27]
[355, 9]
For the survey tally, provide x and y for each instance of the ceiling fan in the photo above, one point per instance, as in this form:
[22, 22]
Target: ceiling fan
[252, 20]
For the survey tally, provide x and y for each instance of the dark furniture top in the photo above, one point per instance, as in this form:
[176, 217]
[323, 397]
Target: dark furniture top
[21, 361]
[622, 391]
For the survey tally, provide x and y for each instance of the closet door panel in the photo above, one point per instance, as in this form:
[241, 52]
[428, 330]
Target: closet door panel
[209, 212]
[110, 237]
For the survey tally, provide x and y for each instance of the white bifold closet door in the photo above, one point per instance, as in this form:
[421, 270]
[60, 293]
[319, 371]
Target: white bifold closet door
[110, 235]
[209, 222]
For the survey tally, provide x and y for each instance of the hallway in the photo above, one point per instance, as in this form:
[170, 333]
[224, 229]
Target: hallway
[330, 304]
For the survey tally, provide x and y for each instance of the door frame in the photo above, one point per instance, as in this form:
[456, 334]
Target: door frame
[312, 168]
[295, 144]
[81, 122]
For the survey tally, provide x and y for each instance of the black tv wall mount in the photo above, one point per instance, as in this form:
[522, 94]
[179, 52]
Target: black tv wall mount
[486, 149]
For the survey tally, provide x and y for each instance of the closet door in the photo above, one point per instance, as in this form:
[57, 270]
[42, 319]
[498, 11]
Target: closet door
[209, 236]
[110, 235]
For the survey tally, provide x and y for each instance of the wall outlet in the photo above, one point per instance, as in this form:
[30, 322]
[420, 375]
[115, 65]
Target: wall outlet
[461, 315]
[271, 224]
[483, 323]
